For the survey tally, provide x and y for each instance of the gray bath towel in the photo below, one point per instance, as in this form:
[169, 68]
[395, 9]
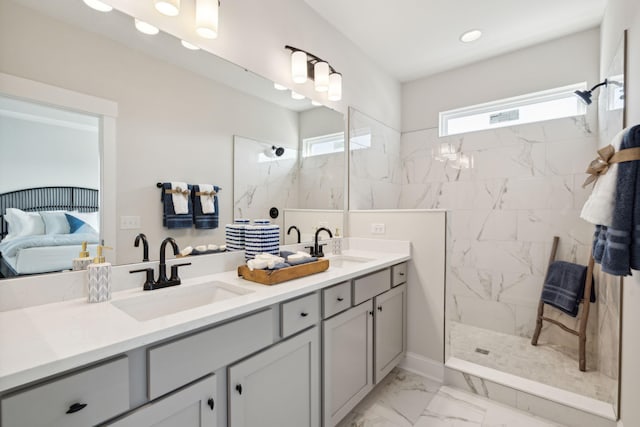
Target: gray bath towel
[564, 286]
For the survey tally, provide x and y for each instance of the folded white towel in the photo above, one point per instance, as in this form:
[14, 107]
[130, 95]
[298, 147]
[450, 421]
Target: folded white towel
[201, 248]
[304, 254]
[257, 264]
[181, 198]
[186, 251]
[212, 247]
[207, 201]
[600, 205]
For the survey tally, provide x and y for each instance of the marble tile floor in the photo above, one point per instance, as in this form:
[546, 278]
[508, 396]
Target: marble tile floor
[405, 399]
[545, 363]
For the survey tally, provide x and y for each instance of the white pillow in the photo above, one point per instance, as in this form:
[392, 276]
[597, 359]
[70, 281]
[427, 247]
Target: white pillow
[23, 223]
[55, 222]
[91, 218]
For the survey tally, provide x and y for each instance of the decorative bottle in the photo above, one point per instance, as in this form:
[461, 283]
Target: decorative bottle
[99, 278]
[337, 243]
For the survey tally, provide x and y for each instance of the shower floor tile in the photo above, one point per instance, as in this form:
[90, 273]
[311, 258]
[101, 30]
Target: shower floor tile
[405, 399]
[548, 364]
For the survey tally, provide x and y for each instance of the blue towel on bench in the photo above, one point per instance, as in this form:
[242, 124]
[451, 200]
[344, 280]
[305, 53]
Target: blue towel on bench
[200, 219]
[170, 219]
[564, 286]
[617, 248]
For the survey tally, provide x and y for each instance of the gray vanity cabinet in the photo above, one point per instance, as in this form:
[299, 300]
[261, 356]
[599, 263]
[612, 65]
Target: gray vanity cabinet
[192, 406]
[279, 386]
[390, 330]
[348, 360]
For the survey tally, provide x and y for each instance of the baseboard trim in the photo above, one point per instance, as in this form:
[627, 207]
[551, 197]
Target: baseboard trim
[424, 366]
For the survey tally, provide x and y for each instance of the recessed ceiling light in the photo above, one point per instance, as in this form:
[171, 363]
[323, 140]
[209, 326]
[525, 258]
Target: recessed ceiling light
[278, 86]
[470, 36]
[189, 45]
[146, 28]
[98, 5]
[168, 7]
[296, 95]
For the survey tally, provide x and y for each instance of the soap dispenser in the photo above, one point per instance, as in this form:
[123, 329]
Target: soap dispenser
[83, 259]
[337, 242]
[99, 278]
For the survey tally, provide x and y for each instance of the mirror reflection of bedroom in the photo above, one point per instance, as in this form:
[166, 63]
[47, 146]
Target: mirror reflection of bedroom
[49, 187]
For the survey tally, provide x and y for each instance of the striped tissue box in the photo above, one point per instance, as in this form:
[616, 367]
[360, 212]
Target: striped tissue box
[261, 237]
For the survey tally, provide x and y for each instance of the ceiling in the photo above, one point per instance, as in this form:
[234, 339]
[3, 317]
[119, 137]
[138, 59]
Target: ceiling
[411, 39]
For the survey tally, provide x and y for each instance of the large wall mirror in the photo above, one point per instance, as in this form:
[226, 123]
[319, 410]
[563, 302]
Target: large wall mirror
[178, 113]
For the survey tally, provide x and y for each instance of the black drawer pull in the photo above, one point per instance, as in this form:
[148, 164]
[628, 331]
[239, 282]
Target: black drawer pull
[76, 407]
[211, 403]
[379, 308]
[239, 388]
[340, 299]
[371, 313]
[401, 273]
[303, 314]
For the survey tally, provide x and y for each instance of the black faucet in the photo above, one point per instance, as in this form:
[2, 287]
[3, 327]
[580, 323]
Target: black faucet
[293, 227]
[163, 281]
[317, 249]
[145, 246]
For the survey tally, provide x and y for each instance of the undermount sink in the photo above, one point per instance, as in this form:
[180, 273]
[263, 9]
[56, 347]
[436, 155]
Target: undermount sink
[346, 260]
[162, 302]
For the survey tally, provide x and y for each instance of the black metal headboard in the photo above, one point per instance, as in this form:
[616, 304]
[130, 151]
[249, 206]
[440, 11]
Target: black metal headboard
[48, 198]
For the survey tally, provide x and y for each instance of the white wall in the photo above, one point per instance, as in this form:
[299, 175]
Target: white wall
[425, 279]
[253, 34]
[621, 15]
[560, 62]
[172, 124]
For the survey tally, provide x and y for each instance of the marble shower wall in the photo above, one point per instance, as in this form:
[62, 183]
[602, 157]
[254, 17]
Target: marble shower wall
[321, 182]
[523, 187]
[375, 175]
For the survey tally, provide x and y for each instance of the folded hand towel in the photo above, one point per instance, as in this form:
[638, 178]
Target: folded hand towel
[170, 218]
[180, 197]
[621, 247]
[205, 207]
[301, 261]
[600, 205]
[564, 286]
[206, 198]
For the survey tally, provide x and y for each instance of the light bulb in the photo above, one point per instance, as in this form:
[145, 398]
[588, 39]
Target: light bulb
[335, 87]
[168, 7]
[299, 67]
[189, 45]
[207, 18]
[98, 5]
[321, 76]
[146, 28]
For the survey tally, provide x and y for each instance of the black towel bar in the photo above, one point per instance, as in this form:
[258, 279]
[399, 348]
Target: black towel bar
[159, 185]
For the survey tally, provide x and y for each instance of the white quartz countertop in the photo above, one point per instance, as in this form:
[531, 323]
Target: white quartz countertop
[41, 341]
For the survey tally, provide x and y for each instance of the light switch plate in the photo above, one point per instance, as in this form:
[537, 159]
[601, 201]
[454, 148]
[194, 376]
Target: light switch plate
[130, 222]
[377, 228]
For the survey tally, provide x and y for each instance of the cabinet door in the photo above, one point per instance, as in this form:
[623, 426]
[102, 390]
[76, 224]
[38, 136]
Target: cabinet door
[390, 330]
[279, 386]
[192, 406]
[348, 361]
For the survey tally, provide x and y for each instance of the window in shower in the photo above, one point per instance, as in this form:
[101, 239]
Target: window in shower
[533, 107]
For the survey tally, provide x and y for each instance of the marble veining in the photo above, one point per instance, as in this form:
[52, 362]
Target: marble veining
[405, 399]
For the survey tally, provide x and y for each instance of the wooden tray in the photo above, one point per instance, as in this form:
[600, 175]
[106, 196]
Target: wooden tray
[273, 277]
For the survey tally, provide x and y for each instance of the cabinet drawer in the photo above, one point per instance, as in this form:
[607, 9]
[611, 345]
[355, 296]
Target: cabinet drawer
[336, 299]
[398, 274]
[104, 390]
[369, 286]
[299, 314]
[179, 362]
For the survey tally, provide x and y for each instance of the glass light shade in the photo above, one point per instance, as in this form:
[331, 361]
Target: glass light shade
[207, 18]
[167, 7]
[335, 87]
[296, 95]
[189, 45]
[278, 86]
[321, 76]
[299, 66]
[145, 27]
[316, 103]
[98, 5]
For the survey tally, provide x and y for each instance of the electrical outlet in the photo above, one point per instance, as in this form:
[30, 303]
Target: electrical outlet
[130, 222]
[324, 224]
[377, 228]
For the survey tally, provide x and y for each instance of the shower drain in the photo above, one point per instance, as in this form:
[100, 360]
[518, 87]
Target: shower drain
[482, 351]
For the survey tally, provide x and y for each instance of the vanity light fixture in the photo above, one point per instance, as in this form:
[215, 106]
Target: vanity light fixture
[278, 86]
[167, 7]
[307, 65]
[98, 5]
[470, 36]
[585, 95]
[145, 27]
[207, 18]
[296, 95]
[189, 45]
